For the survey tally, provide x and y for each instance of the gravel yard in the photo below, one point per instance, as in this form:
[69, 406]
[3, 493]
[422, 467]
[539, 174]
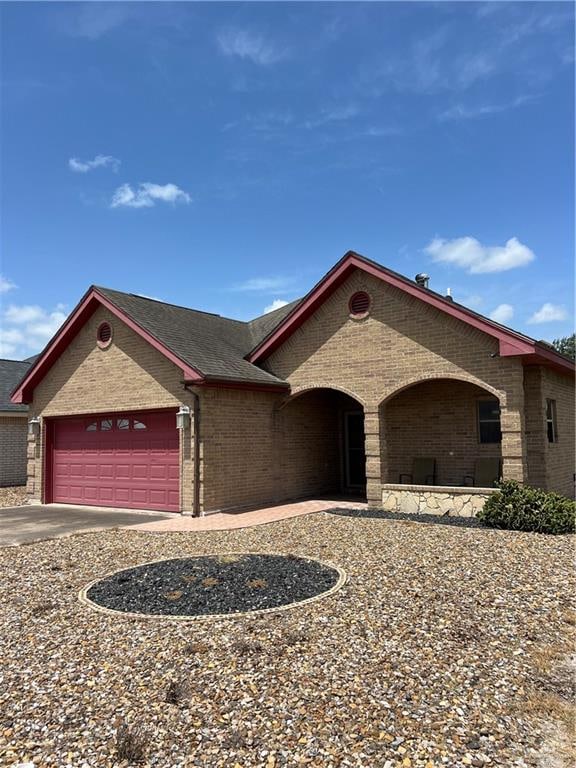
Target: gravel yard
[443, 648]
[13, 496]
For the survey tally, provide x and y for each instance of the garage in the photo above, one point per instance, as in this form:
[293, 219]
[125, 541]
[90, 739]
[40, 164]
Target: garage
[129, 460]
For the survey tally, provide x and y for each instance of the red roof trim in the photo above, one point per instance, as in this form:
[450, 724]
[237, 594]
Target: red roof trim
[253, 386]
[91, 300]
[510, 342]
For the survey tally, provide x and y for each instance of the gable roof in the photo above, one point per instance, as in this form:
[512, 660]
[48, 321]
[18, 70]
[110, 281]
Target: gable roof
[11, 373]
[214, 350]
[215, 346]
[208, 348]
[511, 343]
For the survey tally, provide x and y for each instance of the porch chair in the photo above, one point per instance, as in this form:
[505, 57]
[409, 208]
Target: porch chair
[423, 472]
[487, 472]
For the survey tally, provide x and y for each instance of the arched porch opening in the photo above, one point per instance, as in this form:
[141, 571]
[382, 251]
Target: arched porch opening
[451, 422]
[321, 445]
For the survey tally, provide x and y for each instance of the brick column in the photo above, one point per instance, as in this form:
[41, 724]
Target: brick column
[514, 444]
[373, 456]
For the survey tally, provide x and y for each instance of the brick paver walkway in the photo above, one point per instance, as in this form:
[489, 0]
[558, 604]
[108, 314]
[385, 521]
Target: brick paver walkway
[224, 521]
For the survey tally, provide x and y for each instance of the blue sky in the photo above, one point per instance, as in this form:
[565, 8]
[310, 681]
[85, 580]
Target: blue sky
[224, 156]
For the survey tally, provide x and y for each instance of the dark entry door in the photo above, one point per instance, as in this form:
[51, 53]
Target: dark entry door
[354, 450]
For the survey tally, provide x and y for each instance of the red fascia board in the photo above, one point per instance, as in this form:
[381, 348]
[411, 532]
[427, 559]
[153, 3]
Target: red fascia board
[549, 358]
[83, 311]
[235, 384]
[510, 343]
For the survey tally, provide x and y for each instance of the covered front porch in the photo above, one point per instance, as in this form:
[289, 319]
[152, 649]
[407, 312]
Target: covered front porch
[441, 446]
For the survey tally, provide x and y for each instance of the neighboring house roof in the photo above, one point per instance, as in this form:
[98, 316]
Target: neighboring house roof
[215, 350]
[11, 373]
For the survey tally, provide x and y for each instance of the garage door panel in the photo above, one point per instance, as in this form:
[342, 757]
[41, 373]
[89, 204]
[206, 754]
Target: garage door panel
[137, 468]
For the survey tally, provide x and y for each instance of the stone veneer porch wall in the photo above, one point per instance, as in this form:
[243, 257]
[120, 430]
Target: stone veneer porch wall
[463, 501]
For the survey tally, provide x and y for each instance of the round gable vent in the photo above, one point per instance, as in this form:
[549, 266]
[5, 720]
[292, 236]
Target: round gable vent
[359, 304]
[104, 334]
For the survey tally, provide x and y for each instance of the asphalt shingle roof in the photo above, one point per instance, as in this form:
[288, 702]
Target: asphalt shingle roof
[11, 373]
[213, 345]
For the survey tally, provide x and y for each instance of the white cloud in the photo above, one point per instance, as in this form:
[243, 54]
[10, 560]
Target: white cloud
[472, 300]
[25, 313]
[6, 284]
[503, 313]
[247, 45]
[468, 253]
[265, 285]
[276, 304]
[333, 115]
[146, 195]
[461, 112]
[93, 20]
[100, 161]
[548, 313]
[6, 349]
[26, 328]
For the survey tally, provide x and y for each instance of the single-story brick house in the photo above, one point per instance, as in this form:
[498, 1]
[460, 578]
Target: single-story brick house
[13, 424]
[357, 386]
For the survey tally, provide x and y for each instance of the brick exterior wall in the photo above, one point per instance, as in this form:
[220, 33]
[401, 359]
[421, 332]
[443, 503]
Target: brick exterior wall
[237, 436]
[551, 465]
[310, 437]
[560, 456]
[13, 431]
[402, 342]
[260, 447]
[535, 426]
[128, 375]
[436, 419]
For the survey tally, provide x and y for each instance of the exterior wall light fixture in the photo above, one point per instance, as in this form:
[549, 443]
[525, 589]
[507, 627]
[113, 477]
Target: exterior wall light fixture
[34, 426]
[183, 417]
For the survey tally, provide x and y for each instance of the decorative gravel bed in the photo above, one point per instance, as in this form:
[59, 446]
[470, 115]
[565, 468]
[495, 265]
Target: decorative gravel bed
[223, 584]
[443, 648]
[13, 496]
[381, 514]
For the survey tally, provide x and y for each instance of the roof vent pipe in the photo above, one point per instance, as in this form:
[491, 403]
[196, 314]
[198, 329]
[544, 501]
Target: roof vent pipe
[422, 279]
[449, 294]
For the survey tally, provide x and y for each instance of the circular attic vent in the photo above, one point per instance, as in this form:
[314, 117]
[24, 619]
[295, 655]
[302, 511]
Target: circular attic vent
[359, 304]
[104, 334]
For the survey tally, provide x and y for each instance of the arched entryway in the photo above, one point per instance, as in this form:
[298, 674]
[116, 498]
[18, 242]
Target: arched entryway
[452, 422]
[321, 448]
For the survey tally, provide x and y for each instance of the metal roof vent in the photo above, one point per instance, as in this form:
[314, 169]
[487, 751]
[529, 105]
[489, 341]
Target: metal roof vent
[449, 294]
[422, 279]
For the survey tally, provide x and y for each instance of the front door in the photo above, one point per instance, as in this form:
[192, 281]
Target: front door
[354, 451]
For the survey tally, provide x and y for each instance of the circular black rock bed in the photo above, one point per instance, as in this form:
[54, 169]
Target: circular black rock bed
[215, 584]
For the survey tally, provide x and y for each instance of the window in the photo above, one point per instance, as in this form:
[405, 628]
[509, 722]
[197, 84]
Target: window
[92, 427]
[489, 430]
[106, 425]
[551, 425]
[123, 423]
[139, 424]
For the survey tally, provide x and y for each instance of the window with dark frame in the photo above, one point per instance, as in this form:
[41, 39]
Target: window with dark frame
[489, 429]
[551, 424]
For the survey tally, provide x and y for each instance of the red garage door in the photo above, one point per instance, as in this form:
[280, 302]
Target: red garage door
[121, 460]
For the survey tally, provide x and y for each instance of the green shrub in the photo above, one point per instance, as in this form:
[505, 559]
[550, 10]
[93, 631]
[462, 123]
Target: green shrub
[520, 508]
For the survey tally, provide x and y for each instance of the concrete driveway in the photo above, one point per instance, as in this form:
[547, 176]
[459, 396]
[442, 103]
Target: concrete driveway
[22, 525]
